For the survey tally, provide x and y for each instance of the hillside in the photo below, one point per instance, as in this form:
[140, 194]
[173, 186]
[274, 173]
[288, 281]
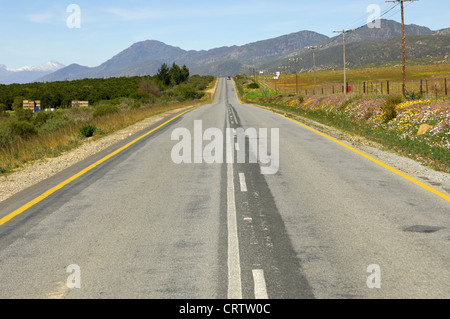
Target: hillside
[372, 52]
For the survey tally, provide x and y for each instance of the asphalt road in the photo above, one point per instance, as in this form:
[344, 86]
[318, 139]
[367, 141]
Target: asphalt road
[330, 223]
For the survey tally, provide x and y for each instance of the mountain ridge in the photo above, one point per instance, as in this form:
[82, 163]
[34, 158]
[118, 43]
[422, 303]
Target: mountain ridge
[145, 57]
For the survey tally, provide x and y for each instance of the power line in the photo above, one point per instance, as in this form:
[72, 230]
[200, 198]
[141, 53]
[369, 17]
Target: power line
[403, 40]
[361, 22]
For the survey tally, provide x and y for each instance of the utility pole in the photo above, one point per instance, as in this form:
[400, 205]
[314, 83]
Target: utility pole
[403, 40]
[264, 82]
[295, 60]
[284, 67]
[313, 48]
[345, 62]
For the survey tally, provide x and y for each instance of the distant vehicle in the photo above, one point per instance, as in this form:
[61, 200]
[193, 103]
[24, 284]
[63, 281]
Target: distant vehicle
[229, 78]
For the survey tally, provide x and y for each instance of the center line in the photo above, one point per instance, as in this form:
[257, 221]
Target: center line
[260, 284]
[243, 183]
[234, 263]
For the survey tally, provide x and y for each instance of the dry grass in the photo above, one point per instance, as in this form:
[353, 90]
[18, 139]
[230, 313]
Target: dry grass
[53, 144]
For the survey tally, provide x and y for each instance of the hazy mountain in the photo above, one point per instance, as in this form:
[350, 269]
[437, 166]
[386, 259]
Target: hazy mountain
[66, 73]
[443, 32]
[27, 74]
[144, 58]
[373, 52]
[389, 29]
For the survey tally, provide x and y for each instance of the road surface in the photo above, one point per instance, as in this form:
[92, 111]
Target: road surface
[330, 223]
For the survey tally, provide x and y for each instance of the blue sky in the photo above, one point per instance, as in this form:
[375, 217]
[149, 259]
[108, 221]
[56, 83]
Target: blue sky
[34, 32]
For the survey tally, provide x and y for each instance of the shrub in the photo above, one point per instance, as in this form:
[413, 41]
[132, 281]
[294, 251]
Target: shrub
[22, 128]
[412, 96]
[24, 115]
[42, 117]
[184, 93]
[389, 107]
[301, 99]
[104, 109]
[88, 131]
[253, 86]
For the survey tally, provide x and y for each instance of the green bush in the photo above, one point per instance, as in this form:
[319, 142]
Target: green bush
[22, 128]
[24, 115]
[88, 131]
[5, 136]
[389, 107]
[253, 86]
[42, 117]
[185, 93]
[412, 96]
[104, 109]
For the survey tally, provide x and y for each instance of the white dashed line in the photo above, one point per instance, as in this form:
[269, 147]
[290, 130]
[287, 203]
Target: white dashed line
[242, 181]
[260, 284]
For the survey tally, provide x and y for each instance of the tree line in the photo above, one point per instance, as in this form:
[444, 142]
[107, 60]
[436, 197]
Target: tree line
[62, 93]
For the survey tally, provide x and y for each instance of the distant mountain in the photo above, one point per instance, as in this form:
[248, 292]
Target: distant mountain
[27, 74]
[374, 52]
[69, 72]
[443, 32]
[144, 58]
[389, 29]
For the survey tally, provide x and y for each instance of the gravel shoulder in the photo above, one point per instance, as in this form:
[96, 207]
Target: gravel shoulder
[35, 172]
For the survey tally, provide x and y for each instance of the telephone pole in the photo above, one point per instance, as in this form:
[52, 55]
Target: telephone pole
[345, 62]
[284, 67]
[295, 60]
[313, 48]
[403, 40]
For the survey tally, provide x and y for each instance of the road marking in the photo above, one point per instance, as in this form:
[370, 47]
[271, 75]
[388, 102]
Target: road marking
[393, 170]
[234, 116]
[51, 191]
[234, 262]
[260, 284]
[243, 183]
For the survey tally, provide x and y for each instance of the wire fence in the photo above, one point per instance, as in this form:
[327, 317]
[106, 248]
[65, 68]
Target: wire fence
[426, 88]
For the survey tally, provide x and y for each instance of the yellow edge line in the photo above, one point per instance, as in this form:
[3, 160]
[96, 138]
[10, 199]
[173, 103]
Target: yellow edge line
[409, 178]
[84, 171]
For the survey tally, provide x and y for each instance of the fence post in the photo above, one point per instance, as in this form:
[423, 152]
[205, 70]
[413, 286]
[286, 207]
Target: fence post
[364, 87]
[426, 86]
[421, 87]
[445, 86]
[387, 87]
